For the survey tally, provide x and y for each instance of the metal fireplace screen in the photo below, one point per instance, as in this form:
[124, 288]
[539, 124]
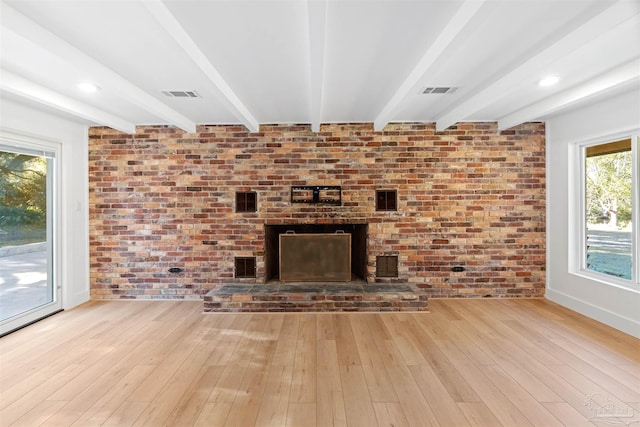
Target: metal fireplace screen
[315, 257]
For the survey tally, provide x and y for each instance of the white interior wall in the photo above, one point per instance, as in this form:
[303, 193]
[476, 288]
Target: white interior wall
[618, 307]
[74, 200]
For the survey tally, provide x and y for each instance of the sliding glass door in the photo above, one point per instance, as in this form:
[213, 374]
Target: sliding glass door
[27, 199]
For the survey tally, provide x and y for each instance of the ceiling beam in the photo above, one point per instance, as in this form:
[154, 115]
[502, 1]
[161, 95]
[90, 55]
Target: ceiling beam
[107, 79]
[24, 88]
[618, 76]
[454, 27]
[614, 14]
[317, 17]
[171, 25]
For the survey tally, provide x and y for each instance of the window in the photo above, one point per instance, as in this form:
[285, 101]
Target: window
[387, 266]
[245, 267]
[608, 210]
[386, 200]
[246, 202]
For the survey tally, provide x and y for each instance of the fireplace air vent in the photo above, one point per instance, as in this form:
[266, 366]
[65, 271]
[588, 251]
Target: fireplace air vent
[386, 200]
[387, 266]
[246, 202]
[245, 267]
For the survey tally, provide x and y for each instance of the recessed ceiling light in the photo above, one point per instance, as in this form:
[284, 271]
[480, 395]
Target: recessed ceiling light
[88, 87]
[549, 81]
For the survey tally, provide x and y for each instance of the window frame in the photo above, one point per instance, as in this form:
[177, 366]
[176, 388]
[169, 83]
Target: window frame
[578, 217]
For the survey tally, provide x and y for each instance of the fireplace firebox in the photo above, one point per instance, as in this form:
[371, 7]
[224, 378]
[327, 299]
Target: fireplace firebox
[348, 261]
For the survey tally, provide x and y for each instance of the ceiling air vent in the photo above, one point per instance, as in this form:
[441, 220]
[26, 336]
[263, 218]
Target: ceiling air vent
[439, 90]
[181, 93]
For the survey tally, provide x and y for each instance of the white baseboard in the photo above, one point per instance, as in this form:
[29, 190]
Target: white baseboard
[617, 321]
[76, 299]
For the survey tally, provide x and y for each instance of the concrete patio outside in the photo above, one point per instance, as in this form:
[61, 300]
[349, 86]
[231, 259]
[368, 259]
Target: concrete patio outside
[23, 279]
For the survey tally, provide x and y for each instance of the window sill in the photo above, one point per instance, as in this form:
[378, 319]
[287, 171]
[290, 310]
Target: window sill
[608, 280]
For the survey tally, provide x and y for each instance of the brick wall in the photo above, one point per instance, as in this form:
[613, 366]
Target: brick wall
[470, 196]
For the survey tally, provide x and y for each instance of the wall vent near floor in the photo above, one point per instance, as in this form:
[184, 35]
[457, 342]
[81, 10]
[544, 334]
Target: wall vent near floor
[245, 267]
[387, 266]
[181, 93]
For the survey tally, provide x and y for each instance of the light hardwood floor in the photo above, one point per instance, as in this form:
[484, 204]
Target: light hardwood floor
[466, 363]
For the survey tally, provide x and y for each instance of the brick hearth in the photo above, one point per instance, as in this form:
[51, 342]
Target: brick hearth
[315, 297]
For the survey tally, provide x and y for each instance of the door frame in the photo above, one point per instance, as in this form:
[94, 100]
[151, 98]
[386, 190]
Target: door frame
[52, 149]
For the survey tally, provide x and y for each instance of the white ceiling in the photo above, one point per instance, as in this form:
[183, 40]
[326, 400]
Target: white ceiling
[316, 61]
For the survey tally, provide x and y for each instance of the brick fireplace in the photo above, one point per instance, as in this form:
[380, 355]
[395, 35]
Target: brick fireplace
[456, 213]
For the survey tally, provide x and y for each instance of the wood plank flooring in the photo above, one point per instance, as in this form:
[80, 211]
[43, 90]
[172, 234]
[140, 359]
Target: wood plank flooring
[466, 363]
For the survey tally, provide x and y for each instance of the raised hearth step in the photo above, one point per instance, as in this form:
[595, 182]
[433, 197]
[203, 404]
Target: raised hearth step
[313, 297]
